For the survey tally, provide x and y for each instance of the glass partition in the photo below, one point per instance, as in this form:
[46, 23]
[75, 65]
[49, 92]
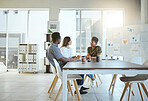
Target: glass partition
[3, 48]
[90, 26]
[3, 21]
[13, 43]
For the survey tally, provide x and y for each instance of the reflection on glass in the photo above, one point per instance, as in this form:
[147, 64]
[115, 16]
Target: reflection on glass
[3, 48]
[3, 17]
[13, 43]
[12, 62]
[90, 26]
[78, 38]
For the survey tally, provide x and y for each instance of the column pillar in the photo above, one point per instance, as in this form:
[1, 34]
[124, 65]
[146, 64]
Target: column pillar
[144, 11]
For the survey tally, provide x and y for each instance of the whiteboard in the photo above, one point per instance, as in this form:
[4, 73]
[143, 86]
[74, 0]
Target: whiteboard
[128, 41]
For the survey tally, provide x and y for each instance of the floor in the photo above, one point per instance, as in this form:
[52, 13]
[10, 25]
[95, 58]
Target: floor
[34, 87]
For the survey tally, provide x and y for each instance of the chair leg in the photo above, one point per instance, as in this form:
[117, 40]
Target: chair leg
[60, 89]
[53, 87]
[88, 80]
[96, 84]
[123, 75]
[68, 83]
[99, 78]
[85, 76]
[52, 83]
[125, 88]
[114, 84]
[77, 90]
[68, 87]
[140, 92]
[132, 90]
[144, 88]
[112, 81]
[129, 92]
[96, 81]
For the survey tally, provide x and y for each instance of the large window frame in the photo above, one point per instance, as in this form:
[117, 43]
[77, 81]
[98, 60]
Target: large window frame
[27, 29]
[103, 36]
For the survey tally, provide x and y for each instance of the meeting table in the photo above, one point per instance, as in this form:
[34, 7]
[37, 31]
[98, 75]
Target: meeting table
[101, 67]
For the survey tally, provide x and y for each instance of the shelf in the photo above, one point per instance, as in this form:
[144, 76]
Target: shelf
[23, 62]
[22, 44]
[29, 53]
[23, 53]
[48, 33]
[32, 53]
[31, 62]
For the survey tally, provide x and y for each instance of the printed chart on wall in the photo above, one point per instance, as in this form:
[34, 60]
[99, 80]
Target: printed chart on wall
[128, 41]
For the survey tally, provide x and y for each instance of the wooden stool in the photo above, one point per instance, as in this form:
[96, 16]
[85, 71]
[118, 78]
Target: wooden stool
[134, 79]
[113, 82]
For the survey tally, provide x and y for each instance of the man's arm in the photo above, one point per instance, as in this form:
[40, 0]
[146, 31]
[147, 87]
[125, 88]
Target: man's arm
[63, 59]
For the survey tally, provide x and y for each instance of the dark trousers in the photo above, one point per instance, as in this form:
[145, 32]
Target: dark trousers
[80, 81]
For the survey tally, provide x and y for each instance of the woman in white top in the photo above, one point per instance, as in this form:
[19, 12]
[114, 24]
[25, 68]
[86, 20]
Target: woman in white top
[65, 49]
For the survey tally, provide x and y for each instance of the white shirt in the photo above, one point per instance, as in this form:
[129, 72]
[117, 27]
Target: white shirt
[66, 52]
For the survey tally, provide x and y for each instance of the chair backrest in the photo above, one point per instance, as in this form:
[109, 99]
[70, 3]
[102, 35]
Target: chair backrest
[53, 69]
[145, 63]
[58, 68]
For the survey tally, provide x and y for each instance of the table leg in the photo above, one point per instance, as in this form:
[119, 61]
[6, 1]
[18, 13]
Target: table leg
[64, 86]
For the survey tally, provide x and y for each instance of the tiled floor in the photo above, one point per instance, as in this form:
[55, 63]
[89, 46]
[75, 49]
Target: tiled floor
[34, 87]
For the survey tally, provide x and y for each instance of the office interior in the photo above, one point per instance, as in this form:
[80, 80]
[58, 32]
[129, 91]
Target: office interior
[25, 27]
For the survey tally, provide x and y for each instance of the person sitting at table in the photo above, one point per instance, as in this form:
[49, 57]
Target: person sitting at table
[65, 49]
[53, 52]
[67, 52]
[92, 52]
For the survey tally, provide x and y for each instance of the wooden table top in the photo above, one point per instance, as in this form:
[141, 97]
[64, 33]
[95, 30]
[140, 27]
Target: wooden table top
[104, 64]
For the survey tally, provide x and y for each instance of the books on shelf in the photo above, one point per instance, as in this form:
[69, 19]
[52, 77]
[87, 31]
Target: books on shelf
[23, 49]
[20, 57]
[22, 66]
[33, 49]
[32, 67]
[32, 58]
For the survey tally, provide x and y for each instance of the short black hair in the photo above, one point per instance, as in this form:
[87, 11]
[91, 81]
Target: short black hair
[55, 36]
[95, 39]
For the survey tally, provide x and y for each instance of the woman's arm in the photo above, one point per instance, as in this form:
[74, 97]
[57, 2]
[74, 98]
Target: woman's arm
[88, 56]
[98, 54]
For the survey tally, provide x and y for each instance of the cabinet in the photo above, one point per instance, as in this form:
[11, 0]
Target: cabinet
[28, 61]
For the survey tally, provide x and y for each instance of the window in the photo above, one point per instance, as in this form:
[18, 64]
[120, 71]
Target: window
[82, 25]
[21, 26]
